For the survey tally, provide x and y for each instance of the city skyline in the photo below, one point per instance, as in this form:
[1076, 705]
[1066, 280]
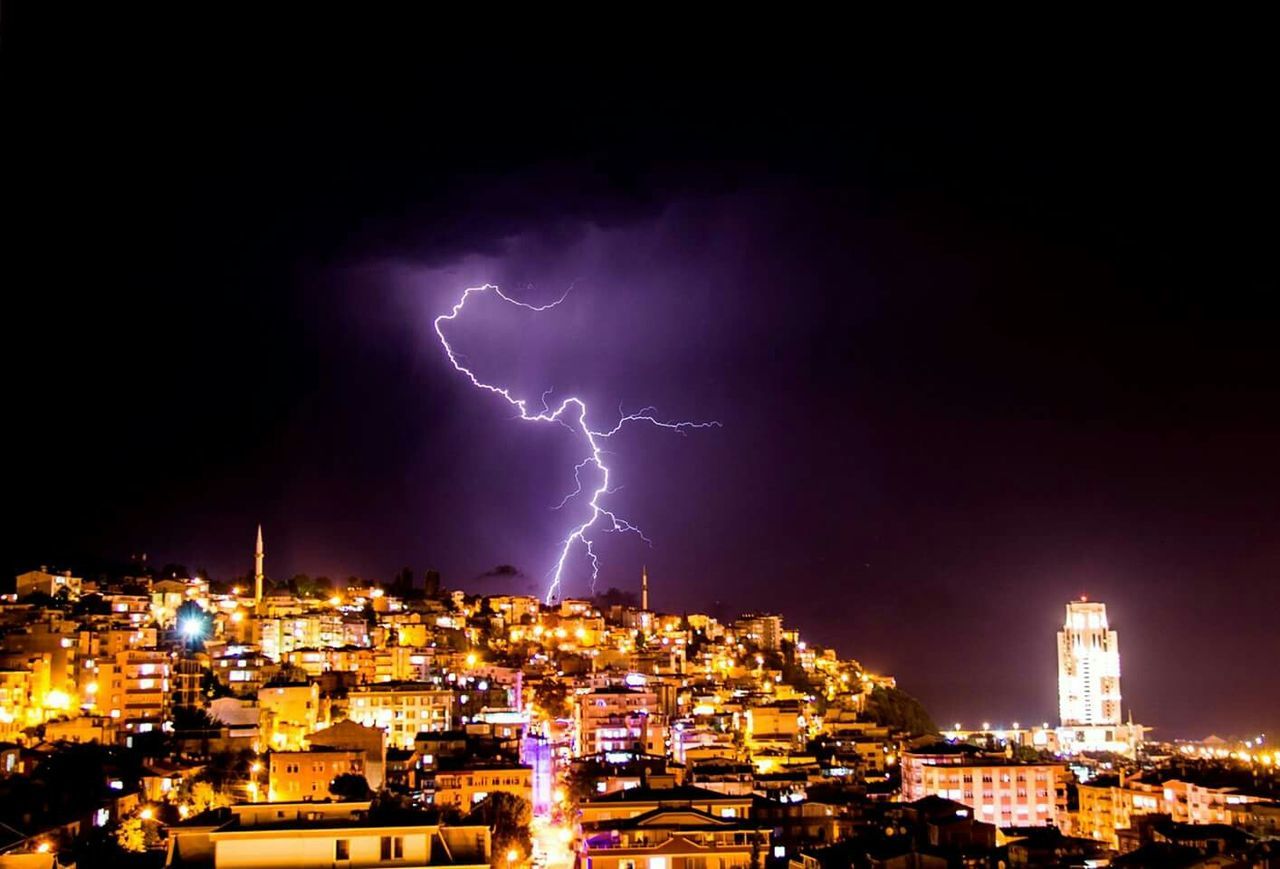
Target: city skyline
[1088, 662]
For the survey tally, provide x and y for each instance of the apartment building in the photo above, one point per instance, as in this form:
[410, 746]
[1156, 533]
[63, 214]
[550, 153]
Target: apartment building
[402, 709]
[1000, 791]
[295, 776]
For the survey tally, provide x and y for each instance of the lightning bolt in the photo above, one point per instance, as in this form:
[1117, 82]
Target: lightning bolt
[572, 414]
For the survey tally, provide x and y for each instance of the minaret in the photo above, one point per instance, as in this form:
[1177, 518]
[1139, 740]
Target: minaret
[644, 589]
[258, 554]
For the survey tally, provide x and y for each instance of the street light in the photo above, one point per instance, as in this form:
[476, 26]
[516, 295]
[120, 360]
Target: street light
[192, 627]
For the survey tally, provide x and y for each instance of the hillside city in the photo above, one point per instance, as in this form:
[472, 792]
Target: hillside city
[156, 718]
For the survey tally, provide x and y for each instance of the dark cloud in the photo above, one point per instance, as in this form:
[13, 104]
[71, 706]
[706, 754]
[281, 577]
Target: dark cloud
[999, 338]
[504, 571]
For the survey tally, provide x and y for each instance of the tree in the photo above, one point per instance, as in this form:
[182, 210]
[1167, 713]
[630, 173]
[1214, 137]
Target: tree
[431, 586]
[552, 697]
[302, 585]
[792, 673]
[91, 605]
[582, 779]
[211, 686]
[136, 835]
[508, 816]
[40, 600]
[615, 597]
[192, 720]
[899, 711]
[202, 796]
[225, 768]
[389, 806]
[350, 786]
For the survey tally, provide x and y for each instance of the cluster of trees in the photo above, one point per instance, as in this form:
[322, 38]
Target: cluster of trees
[899, 711]
[552, 698]
[508, 816]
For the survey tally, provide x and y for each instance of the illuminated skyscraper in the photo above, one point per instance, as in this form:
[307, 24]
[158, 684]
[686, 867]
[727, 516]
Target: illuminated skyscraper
[1088, 667]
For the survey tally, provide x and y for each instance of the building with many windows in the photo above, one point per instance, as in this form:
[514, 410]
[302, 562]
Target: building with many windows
[306, 775]
[403, 709]
[1088, 667]
[763, 630]
[618, 718]
[1089, 684]
[133, 689]
[463, 787]
[1000, 791]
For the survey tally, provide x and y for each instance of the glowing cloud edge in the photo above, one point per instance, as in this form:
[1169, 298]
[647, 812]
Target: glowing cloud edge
[574, 410]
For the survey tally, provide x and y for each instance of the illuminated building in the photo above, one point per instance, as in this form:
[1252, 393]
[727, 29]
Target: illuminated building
[1108, 804]
[45, 582]
[999, 791]
[775, 725]
[15, 700]
[1088, 667]
[515, 608]
[48, 652]
[287, 714]
[634, 802]
[241, 717]
[167, 595]
[187, 676]
[675, 836]
[464, 787]
[113, 640]
[1191, 802]
[620, 719]
[306, 775]
[133, 689]
[403, 709]
[316, 630]
[313, 835]
[371, 742]
[240, 671]
[82, 728]
[763, 630]
[1089, 684]
[132, 608]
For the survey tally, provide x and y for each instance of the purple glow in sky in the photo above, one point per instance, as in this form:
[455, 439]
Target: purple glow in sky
[978, 343]
[572, 414]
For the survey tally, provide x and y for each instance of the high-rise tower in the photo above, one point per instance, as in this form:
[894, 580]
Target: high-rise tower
[1088, 667]
[258, 556]
[644, 589]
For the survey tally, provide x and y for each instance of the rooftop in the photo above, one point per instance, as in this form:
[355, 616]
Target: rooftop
[645, 794]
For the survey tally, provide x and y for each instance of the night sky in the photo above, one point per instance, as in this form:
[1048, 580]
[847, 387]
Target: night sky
[981, 339]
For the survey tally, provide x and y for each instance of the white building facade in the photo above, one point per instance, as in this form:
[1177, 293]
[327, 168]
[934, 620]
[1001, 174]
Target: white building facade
[1089, 684]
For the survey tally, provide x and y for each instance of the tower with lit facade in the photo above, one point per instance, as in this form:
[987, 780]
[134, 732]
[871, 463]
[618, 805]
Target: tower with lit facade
[1088, 667]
